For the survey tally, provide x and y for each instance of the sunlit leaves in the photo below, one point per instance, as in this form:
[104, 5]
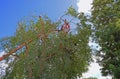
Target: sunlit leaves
[72, 11]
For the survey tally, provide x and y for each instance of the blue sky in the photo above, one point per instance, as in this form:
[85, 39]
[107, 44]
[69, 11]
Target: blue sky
[12, 11]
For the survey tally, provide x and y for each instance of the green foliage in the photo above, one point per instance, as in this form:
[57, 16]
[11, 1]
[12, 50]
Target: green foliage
[105, 17]
[90, 78]
[72, 11]
[51, 55]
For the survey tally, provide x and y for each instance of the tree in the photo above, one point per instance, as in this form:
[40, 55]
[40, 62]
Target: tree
[45, 54]
[105, 18]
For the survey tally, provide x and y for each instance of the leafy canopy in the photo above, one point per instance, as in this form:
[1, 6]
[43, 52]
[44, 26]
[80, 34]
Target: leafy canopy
[51, 54]
[106, 20]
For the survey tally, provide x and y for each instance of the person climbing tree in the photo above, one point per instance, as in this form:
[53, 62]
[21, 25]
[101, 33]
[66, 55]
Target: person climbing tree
[65, 27]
